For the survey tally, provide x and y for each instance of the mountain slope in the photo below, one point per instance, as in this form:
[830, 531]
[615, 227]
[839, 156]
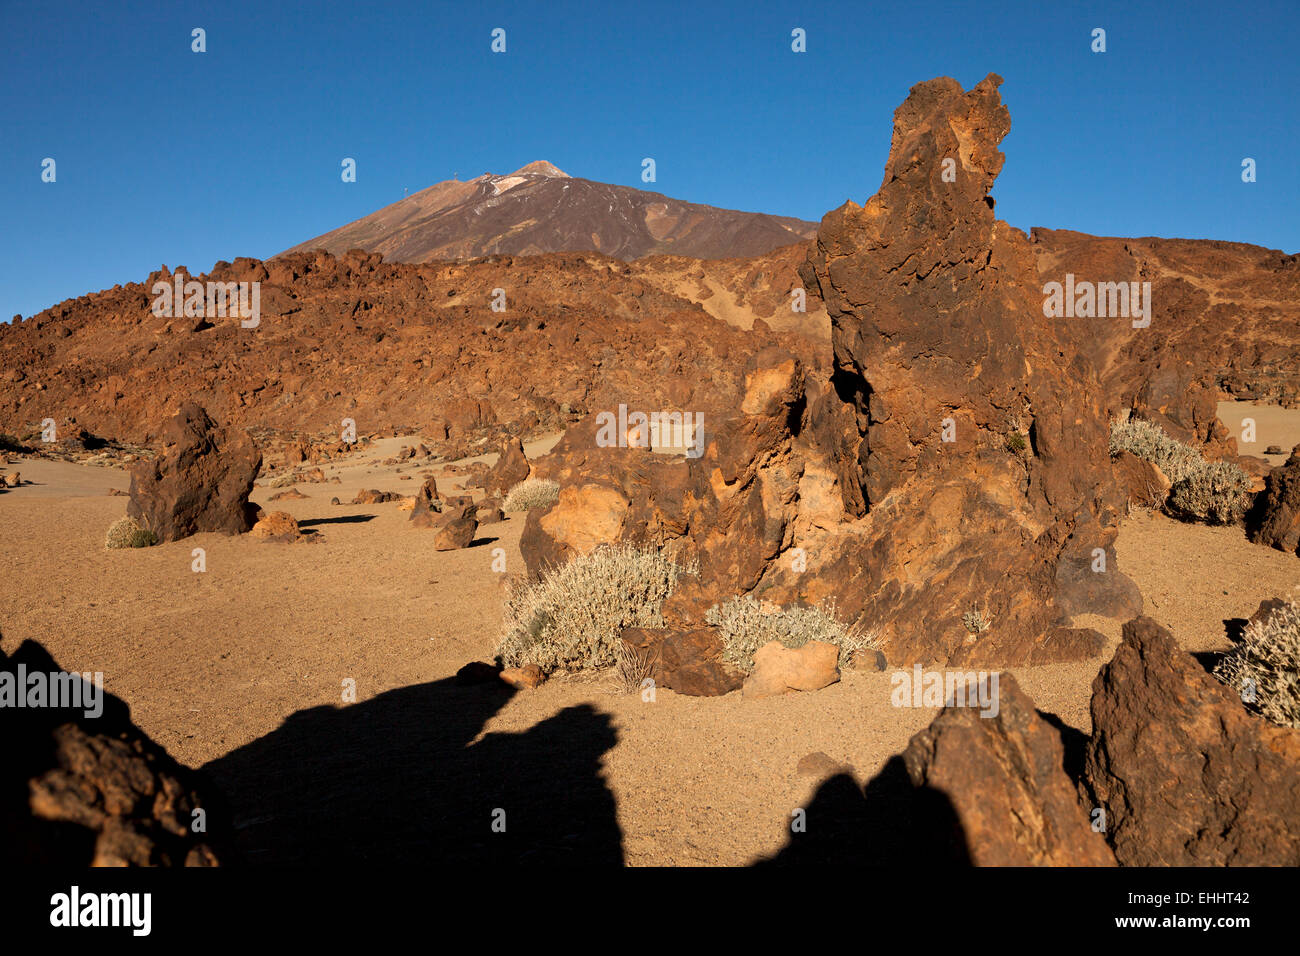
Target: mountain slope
[540, 209]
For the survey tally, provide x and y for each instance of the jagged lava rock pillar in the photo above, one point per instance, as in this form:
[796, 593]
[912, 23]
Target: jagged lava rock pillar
[939, 333]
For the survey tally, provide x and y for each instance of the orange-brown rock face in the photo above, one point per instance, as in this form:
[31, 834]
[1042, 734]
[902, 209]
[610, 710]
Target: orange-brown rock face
[1279, 507]
[983, 457]
[385, 345]
[1014, 804]
[1186, 776]
[956, 459]
[1223, 314]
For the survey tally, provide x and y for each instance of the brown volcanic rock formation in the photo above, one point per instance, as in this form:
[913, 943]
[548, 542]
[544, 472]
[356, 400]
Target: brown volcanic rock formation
[455, 528]
[78, 790]
[1004, 775]
[1278, 507]
[1186, 775]
[511, 468]
[846, 488]
[539, 209]
[1223, 314]
[200, 482]
[744, 291]
[388, 345]
[938, 326]
[688, 662]
[730, 509]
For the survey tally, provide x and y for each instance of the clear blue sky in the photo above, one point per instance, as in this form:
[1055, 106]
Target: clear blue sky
[168, 156]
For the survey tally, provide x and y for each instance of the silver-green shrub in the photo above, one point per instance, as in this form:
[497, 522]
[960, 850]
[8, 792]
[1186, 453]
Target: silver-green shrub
[1216, 492]
[571, 618]
[1265, 667]
[126, 533]
[976, 620]
[1150, 443]
[532, 493]
[746, 625]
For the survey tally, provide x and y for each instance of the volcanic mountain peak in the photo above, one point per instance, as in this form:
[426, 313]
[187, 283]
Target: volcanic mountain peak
[539, 208]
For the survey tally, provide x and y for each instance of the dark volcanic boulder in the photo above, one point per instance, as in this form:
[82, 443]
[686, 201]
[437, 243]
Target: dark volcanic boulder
[1005, 778]
[373, 496]
[511, 468]
[428, 505]
[1186, 775]
[488, 511]
[93, 790]
[455, 527]
[688, 662]
[1278, 510]
[1087, 583]
[200, 482]
[1142, 481]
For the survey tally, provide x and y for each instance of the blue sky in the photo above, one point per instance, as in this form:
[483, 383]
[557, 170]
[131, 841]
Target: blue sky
[168, 156]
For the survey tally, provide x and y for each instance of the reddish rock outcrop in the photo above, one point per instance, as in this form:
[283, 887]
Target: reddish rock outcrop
[277, 526]
[779, 669]
[200, 482]
[942, 347]
[455, 528]
[730, 509]
[581, 331]
[1186, 776]
[428, 505]
[687, 662]
[1005, 778]
[1277, 519]
[895, 487]
[511, 468]
[79, 790]
[1203, 293]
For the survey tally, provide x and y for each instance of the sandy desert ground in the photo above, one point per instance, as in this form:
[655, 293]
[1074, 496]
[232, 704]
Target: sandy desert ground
[212, 662]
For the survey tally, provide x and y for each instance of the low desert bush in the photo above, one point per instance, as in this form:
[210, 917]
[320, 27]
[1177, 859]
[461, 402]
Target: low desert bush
[571, 618]
[1150, 443]
[1265, 667]
[532, 493]
[126, 533]
[1216, 492]
[746, 625]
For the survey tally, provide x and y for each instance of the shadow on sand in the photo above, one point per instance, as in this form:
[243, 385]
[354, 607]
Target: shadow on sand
[339, 519]
[889, 822]
[396, 780]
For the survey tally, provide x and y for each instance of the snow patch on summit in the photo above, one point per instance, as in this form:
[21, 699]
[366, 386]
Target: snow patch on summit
[541, 167]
